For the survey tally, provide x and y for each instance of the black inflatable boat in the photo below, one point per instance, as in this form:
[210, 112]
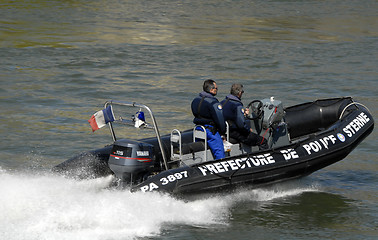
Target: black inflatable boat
[301, 138]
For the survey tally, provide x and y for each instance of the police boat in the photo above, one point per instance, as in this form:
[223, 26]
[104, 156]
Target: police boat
[302, 139]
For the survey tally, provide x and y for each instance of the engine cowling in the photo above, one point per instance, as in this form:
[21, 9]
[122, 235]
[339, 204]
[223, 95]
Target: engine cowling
[131, 160]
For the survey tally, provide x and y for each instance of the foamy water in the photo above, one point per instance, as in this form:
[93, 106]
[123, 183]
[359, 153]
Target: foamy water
[45, 206]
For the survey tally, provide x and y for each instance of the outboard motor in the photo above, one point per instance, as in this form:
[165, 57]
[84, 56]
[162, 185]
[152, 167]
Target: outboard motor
[131, 161]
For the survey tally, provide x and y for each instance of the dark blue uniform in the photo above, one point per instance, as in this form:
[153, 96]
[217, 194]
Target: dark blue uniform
[207, 111]
[233, 112]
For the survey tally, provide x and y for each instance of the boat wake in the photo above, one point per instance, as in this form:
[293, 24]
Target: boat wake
[46, 206]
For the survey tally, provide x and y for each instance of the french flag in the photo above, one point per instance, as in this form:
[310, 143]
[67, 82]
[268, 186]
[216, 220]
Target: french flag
[101, 118]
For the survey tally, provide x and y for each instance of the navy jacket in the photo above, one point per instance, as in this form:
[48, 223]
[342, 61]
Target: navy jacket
[233, 113]
[207, 110]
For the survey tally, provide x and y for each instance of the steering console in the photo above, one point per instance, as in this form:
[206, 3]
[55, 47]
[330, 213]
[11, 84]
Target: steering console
[255, 110]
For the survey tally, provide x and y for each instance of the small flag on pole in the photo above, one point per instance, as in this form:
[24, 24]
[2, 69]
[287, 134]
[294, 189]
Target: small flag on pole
[139, 119]
[101, 118]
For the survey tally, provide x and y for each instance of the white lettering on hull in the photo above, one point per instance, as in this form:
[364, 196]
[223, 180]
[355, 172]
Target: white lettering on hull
[236, 164]
[356, 124]
[325, 142]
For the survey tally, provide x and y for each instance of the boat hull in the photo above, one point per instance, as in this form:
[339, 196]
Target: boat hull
[334, 128]
[296, 160]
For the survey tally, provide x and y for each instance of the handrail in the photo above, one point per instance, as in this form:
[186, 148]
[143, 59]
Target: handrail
[177, 139]
[137, 105]
[201, 134]
[350, 104]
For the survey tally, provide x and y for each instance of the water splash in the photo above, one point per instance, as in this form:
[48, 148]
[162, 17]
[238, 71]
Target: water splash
[45, 206]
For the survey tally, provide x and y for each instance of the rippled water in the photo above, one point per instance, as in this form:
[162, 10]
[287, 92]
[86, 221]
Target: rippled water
[61, 60]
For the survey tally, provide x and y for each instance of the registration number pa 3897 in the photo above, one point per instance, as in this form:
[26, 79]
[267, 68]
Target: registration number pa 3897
[164, 181]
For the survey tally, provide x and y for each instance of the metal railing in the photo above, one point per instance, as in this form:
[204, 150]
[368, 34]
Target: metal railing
[155, 127]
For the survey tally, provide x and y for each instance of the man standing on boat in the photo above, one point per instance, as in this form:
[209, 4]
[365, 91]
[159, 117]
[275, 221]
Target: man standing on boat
[207, 111]
[234, 114]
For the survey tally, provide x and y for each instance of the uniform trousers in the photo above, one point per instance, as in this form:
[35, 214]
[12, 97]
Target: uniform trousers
[215, 142]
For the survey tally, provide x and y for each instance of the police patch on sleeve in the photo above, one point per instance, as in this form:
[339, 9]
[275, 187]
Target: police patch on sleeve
[219, 106]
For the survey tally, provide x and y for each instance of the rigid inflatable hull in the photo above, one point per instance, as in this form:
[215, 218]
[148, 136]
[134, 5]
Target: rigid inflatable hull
[301, 158]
